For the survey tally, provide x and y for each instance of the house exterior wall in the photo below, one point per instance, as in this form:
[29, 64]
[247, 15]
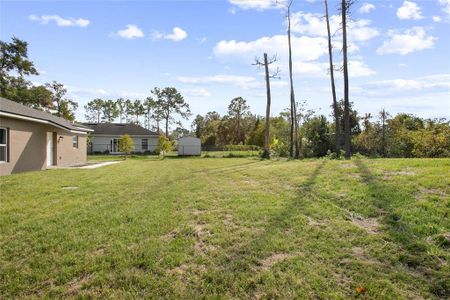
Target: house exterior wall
[27, 149]
[102, 143]
[189, 146]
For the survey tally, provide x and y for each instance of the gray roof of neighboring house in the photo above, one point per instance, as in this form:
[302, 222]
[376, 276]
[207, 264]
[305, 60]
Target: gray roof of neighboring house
[8, 107]
[119, 129]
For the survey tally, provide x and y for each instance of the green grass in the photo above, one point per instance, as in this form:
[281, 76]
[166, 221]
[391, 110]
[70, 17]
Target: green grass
[228, 228]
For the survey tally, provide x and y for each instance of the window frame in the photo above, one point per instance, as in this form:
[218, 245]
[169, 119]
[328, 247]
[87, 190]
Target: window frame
[142, 144]
[75, 141]
[6, 145]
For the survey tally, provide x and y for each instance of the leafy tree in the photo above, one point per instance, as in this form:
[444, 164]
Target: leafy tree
[126, 144]
[14, 61]
[317, 134]
[138, 110]
[110, 111]
[164, 145]
[64, 107]
[179, 131]
[258, 135]
[94, 110]
[236, 110]
[198, 126]
[170, 102]
[121, 108]
[353, 117]
[149, 110]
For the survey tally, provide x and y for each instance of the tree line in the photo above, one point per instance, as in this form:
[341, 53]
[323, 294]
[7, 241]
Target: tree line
[402, 135]
[161, 107]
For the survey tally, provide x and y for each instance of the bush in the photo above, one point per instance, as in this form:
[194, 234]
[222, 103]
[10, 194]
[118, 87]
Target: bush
[126, 144]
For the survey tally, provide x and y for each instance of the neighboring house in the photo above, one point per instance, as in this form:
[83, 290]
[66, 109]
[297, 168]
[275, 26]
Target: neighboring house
[106, 137]
[189, 145]
[31, 139]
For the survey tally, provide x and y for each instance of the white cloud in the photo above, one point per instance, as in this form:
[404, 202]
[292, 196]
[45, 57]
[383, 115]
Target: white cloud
[314, 25]
[446, 6]
[414, 39]
[196, 92]
[244, 82]
[258, 4]
[437, 19]
[357, 68]
[88, 91]
[366, 8]
[441, 81]
[130, 32]
[409, 10]
[131, 94]
[177, 35]
[306, 48]
[60, 21]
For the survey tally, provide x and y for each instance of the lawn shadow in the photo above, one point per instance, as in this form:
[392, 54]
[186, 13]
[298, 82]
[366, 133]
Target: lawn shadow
[415, 251]
[245, 257]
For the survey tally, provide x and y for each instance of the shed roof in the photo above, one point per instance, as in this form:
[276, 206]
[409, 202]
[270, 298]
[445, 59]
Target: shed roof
[119, 129]
[13, 109]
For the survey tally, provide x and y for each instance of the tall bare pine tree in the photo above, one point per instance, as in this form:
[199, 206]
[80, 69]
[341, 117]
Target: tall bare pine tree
[333, 86]
[345, 7]
[294, 126]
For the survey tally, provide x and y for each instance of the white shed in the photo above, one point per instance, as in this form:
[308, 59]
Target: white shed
[189, 145]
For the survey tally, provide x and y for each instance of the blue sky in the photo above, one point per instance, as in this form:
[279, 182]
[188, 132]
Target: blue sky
[110, 49]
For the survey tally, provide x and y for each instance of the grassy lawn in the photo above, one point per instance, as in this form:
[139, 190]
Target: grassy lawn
[230, 228]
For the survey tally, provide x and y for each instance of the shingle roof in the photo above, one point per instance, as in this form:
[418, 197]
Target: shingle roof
[119, 129]
[17, 109]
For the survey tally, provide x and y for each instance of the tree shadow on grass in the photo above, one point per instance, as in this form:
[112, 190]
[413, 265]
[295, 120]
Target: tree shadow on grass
[242, 259]
[414, 252]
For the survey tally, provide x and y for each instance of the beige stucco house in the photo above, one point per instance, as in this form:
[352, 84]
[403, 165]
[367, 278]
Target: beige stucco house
[35, 140]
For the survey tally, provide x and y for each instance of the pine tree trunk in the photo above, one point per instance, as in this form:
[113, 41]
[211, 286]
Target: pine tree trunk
[333, 87]
[294, 127]
[167, 127]
[267, 137]
[347, 136]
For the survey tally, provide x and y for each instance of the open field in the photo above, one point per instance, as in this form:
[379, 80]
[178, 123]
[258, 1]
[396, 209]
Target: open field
[229, 227]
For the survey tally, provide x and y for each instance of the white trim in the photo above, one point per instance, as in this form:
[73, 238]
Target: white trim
[14, 116]
[5, 145]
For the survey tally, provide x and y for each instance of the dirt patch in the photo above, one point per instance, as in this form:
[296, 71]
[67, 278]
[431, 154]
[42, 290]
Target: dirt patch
[197, 212]
[371, 225]
[312, 222]
[201, 230]
[425, 191]
[179, 270]
[98, 252]
[202, 246]
[70, 187]
[388, 175]
[346, 166]
[170, 236]
[228, 221]
[76, 284]
[270, 261]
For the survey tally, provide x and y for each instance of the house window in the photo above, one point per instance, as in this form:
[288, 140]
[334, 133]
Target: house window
[3, 145]
[144, 144]
[75, 141]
